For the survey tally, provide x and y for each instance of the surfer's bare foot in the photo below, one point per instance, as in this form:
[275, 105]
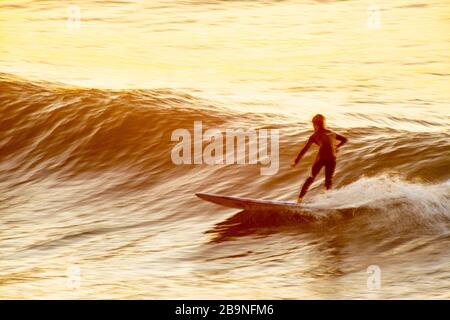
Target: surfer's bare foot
[299, 200]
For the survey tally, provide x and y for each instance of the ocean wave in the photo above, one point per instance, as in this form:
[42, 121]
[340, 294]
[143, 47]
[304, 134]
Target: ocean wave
[50, 129]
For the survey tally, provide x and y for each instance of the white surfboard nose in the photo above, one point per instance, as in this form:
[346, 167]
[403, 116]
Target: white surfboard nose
[253, 204]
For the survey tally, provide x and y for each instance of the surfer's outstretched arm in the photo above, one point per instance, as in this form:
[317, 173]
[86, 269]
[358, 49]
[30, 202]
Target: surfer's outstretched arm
[302, 152]
[342, 140]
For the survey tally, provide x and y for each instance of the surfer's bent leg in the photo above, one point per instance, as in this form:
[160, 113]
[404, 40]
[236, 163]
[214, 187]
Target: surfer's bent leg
[329, 171]
[314, 172]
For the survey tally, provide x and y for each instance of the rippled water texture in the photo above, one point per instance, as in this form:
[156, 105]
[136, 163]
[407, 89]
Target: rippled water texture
[91, 205]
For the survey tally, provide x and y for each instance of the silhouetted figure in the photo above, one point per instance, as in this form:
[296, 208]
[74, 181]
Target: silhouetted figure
[326, 157]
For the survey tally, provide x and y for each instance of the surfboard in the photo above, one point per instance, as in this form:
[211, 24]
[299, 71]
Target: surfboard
[253, 204]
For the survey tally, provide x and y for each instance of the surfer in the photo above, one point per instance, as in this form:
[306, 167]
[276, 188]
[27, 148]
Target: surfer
[326, 157]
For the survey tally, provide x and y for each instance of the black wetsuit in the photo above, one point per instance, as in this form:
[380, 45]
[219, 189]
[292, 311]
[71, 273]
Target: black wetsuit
[326, 157]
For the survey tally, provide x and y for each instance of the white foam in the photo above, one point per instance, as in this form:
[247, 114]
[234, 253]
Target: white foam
[428, 201]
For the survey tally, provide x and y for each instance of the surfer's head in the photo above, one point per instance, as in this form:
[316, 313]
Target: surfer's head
[318, 122]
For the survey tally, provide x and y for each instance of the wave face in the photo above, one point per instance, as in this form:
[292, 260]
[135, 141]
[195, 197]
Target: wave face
[87, 179]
